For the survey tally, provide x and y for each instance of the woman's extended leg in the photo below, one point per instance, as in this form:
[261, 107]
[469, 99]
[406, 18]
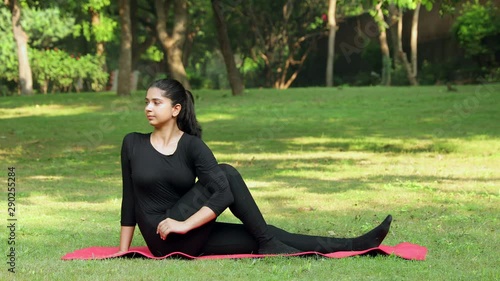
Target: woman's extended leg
[269, 237]
[324, 244]
[229, 238]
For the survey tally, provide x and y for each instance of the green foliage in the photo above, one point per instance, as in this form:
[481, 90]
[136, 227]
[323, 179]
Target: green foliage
[46, 27]
[52, 68]
[105, 31]
[350, 8]
[316, 23]
[153, 53]
[96, 5]
[8, 55]
[477, 23]
[61, 71]
[210, 73]
[399, 76]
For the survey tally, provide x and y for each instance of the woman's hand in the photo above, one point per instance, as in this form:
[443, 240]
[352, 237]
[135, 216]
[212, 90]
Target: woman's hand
[169, 225]
[120, 252]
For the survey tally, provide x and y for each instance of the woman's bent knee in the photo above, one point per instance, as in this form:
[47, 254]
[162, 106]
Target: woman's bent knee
[229, 170]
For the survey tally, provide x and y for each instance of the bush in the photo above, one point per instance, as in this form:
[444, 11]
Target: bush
[493, 76]
[399, 76]
[60, 71]
[436, 73]
[475, 25]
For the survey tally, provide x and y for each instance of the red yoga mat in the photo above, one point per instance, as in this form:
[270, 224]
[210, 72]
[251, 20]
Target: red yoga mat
[404, 250]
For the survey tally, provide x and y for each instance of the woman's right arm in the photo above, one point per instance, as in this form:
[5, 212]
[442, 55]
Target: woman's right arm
[126, 235]
[128, 221]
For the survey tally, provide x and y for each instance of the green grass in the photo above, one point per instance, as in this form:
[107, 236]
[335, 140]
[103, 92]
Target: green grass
[318, 161]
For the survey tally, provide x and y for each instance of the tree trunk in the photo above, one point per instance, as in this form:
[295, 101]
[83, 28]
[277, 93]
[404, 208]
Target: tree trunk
[233, 74]
[332, 26]
[125, 62]
[414, 41]
[96, 20]
[173, 43]
[384, 47]
[401, 54]
[25, 74]
[282, 81]
[394, 28]
[139, 48]
[100, 47]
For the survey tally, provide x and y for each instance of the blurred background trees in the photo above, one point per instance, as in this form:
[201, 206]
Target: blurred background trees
[74, 45]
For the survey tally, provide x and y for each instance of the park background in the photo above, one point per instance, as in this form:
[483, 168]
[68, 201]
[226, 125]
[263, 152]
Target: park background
[335, 117]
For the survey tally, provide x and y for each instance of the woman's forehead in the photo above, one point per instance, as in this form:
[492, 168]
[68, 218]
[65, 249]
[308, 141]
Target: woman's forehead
[155, 93]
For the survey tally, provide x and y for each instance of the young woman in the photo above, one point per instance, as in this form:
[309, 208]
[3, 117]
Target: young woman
[174, 213]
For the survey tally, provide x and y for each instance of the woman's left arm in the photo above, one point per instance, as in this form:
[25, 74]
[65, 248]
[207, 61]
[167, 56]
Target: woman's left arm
[213, 178]
[201, 217]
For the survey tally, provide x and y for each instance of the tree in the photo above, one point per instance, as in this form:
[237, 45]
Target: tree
[101, 28]
[283, 33]
[478, 31]
[143, 31]
[173, 41]
[412, 74]
[378, 15]
[21, 38]
[233, 73]
[332, 27]
[397, 8]
[125, 62]
[94, 8]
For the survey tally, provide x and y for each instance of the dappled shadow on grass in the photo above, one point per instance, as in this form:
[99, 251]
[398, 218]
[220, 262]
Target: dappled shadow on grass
[410, 184]
[342, 145]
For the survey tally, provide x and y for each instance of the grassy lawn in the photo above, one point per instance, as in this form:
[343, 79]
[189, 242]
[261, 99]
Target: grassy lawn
[318, 161]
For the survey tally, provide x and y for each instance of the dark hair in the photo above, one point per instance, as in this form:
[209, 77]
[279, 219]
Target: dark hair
[175, 91]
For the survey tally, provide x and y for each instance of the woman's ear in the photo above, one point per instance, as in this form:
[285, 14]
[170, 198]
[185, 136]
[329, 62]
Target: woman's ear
[176, 110]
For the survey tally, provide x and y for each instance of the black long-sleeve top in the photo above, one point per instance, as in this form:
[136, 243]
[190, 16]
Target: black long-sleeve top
[153, 182]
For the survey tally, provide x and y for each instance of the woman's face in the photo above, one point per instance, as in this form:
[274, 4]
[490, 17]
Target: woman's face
[159, 109]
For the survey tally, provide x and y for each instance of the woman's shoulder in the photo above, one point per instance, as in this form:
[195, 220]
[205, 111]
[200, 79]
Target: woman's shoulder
[135, 136]
[191, 140]
[194, 145]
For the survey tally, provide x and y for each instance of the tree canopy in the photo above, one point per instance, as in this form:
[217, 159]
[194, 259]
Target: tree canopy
[75, 45]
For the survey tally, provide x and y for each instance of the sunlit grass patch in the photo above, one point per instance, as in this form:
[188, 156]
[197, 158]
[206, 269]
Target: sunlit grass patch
[45, 110]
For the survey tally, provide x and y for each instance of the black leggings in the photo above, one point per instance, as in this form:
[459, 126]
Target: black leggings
[229, 238]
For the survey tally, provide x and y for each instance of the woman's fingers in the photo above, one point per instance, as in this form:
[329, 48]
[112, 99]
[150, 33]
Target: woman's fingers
[163, 229]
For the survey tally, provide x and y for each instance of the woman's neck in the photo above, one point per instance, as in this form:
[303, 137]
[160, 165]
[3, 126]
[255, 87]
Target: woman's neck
[167, 134]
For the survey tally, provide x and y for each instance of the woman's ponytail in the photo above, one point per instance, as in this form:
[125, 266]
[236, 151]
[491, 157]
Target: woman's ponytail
[175, 91]
[186, 120]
